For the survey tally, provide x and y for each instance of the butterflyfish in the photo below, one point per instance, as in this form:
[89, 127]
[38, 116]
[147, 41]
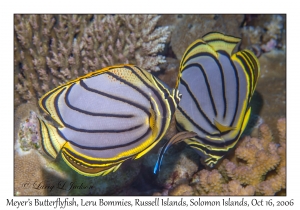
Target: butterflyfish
[216, 86]
[106, 117]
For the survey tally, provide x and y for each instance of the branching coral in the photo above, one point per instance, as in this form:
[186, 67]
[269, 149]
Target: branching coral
[44, 50]
[258, 168]
[212, 182]
[125, 39]
[52, 49]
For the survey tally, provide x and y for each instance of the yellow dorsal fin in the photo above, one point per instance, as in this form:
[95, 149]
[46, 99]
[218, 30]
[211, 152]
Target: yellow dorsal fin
[223, 128]
[197, 47]
[219, 41]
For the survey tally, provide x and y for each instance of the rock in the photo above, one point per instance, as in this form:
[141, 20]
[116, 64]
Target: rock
[192, 27]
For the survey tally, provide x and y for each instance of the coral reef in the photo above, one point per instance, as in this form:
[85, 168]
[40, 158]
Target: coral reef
[52, 49]
[255, 158]
[257, 168]
[213, 183]
[264, 33]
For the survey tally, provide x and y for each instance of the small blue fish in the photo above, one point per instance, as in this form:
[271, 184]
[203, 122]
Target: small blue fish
[174, 140]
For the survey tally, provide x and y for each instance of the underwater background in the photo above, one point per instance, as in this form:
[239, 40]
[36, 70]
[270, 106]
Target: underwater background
[52, 49]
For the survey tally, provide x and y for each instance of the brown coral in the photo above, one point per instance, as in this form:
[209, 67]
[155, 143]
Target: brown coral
[258, 168]
[52, 49]
[182, 189]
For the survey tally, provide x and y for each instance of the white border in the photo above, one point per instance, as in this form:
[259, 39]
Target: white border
[153, 6]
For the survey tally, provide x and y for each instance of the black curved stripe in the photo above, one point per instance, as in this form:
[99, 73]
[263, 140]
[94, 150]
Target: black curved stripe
[182, 81]
[44, 102]
[223, 86]
[109, 147]
[150, 87]
[208, 151]
[56, 104]
[212, 159]
[164, 109]
[206, 83]
[85, 130]
[189, 50]
[250, 69]
[250, 59]
[103, 131]
[245, 65]
[255, 70]
[167, 95]
[43, 145]
[237, 80]
[92, 113]
[216, 144]
[133, 87]
[221, 72]
[146, 110]
[161, 86]
[208, 142]
[142, 72]
[237, 85]
[252, 62]
[88, 161]
[195, 124]
[164, 89]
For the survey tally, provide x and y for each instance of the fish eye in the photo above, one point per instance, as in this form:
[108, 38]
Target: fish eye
[166, 95]
[180, 95]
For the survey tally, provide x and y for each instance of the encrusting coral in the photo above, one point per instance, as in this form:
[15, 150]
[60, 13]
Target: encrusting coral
[52, 49]
[28, 134]
[258, 168]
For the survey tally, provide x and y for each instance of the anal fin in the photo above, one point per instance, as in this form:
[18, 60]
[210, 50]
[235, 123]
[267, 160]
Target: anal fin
[223, 128]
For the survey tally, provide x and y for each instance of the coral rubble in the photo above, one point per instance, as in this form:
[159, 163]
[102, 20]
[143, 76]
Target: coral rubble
[258, 168]
[52, 49]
